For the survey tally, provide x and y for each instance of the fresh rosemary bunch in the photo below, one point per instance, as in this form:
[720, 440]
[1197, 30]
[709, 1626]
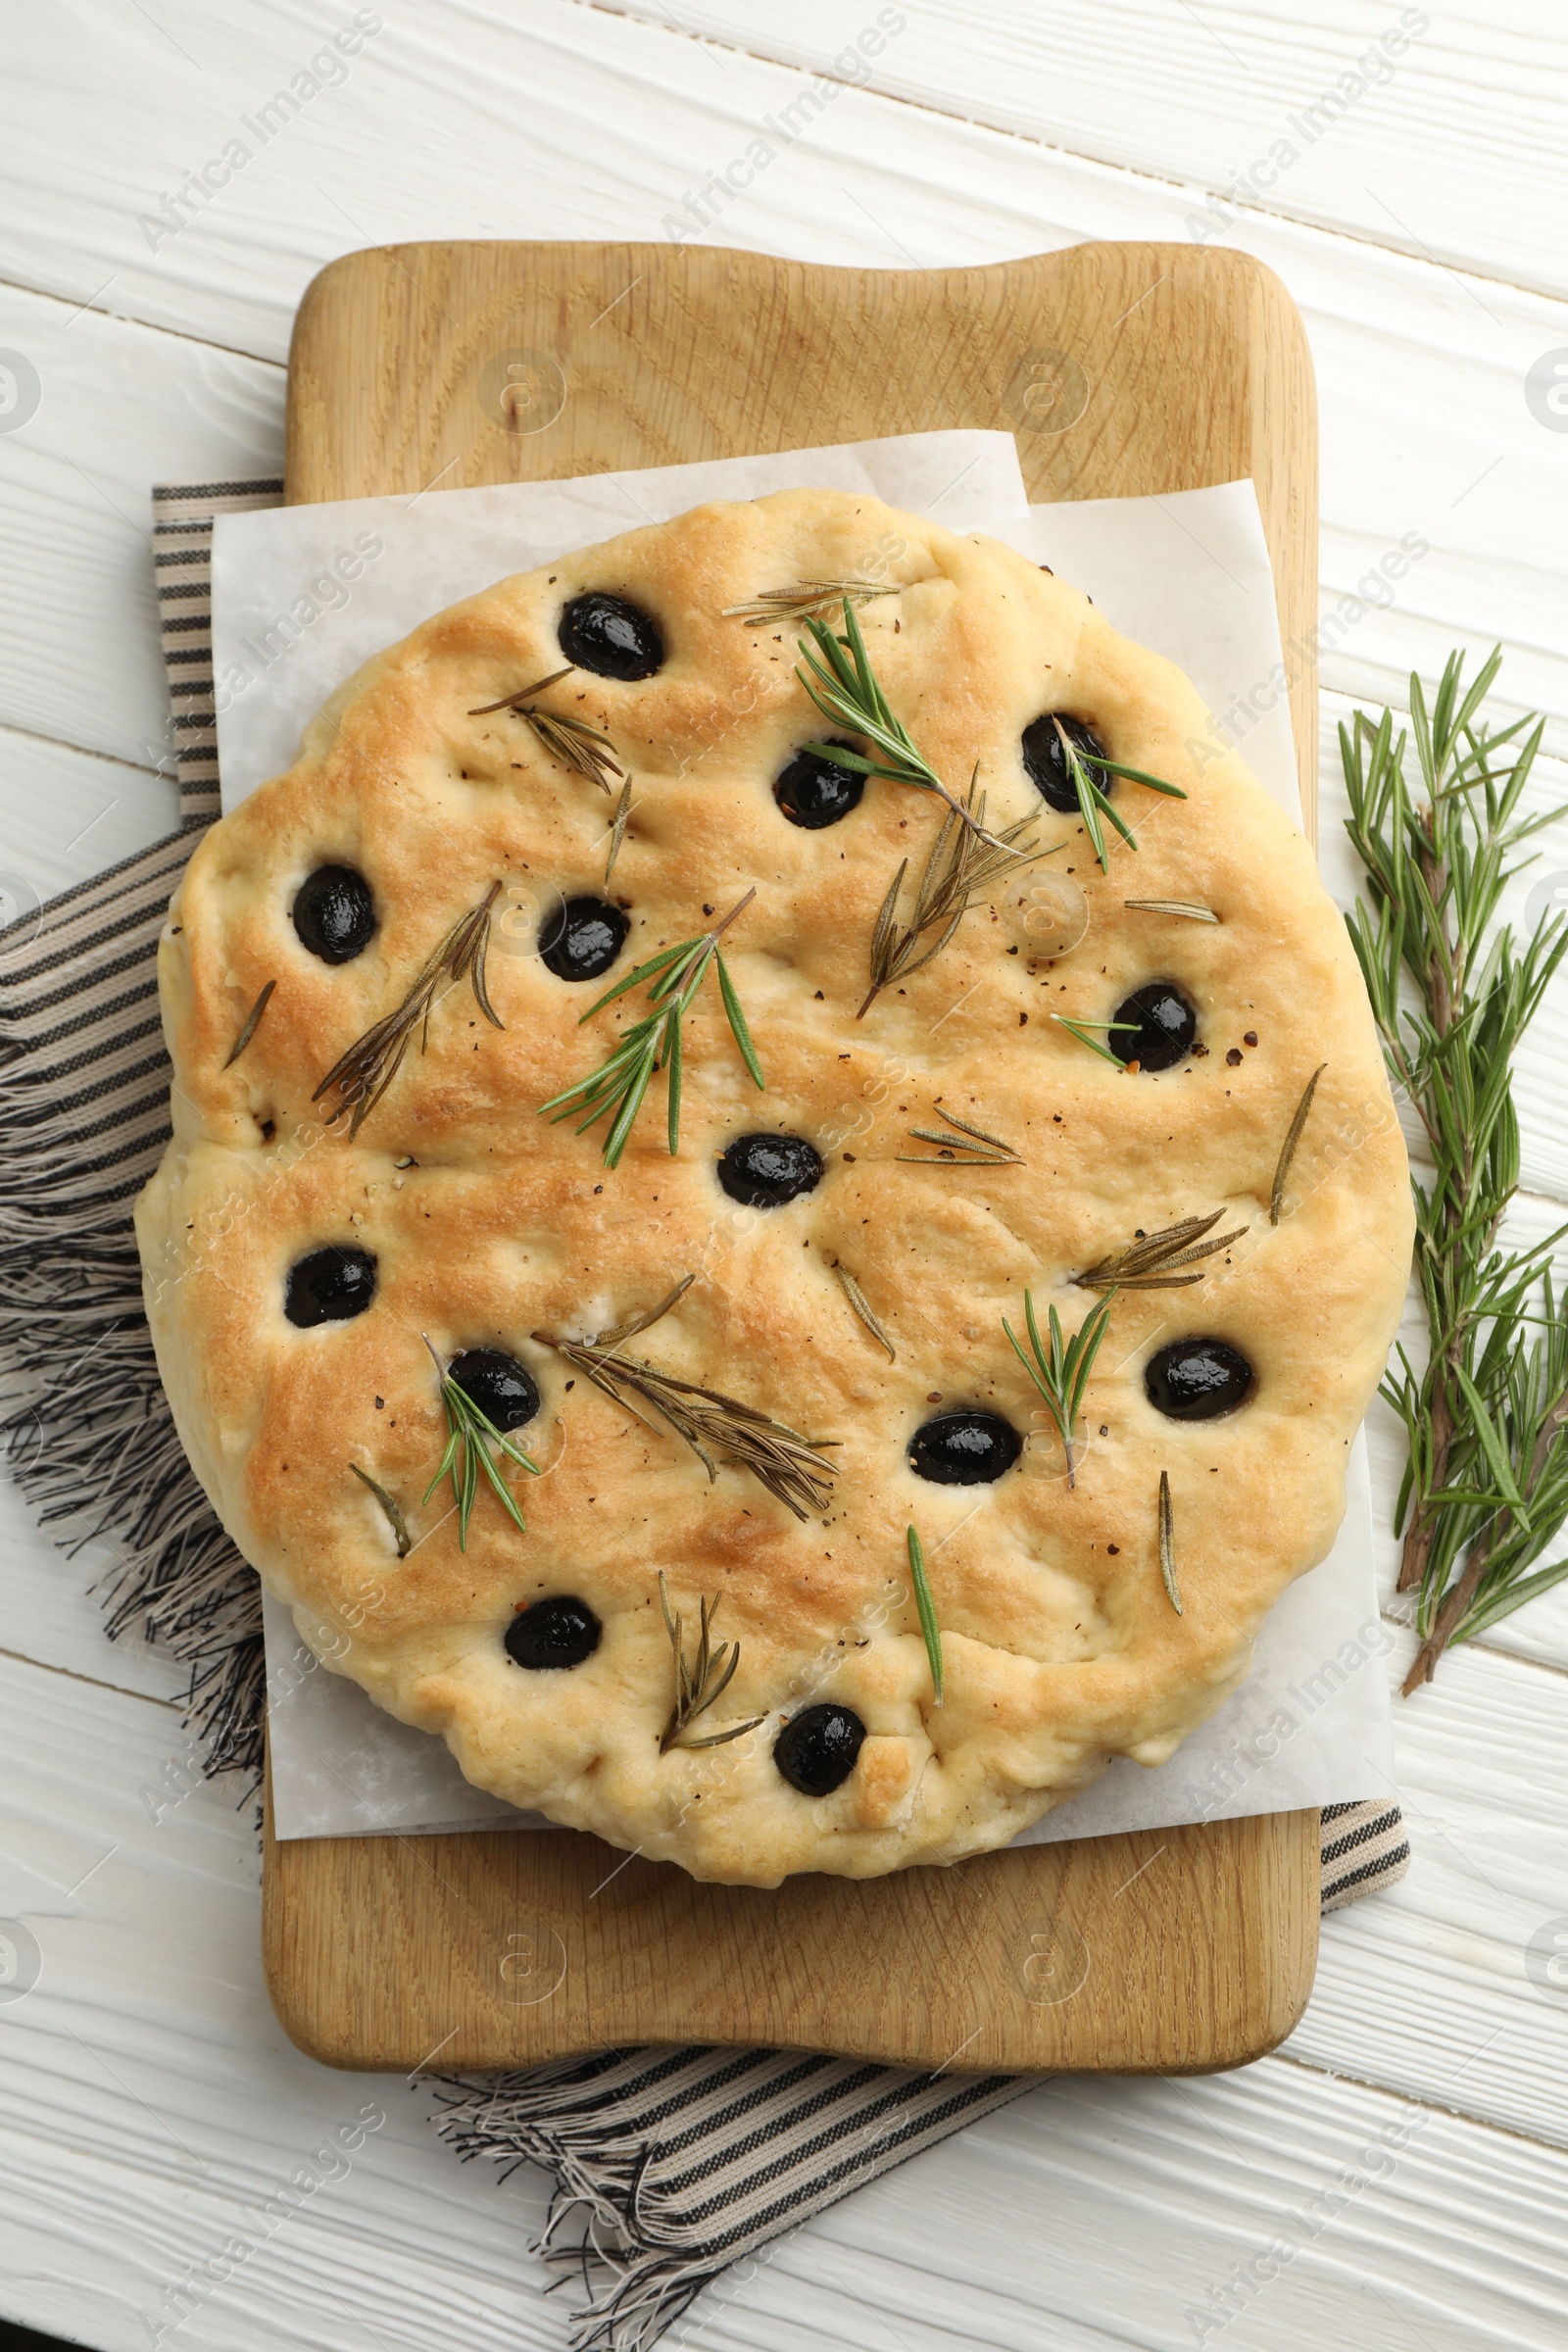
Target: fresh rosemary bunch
[1485, 1487]
[472, 1443]
[615, 1090]
[1093, 801]
[840, 680]
[1060, 1372]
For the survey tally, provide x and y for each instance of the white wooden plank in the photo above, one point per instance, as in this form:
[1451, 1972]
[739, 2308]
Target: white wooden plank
[1428, 1990]
[121, 407]
[1452, 146]
[54, 1616]
[147, 2098]
[1117, 2214]
[146, 2101]
[65, 815]
[1425, 426]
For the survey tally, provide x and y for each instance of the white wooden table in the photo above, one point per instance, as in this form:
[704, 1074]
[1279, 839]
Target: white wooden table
[146, 2094]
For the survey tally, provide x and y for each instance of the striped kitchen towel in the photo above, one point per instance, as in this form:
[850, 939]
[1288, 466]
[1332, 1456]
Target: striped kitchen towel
[671, 2164]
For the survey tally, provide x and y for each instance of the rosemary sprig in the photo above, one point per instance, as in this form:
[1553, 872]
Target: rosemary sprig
[1094, 803]
[253, 1021]
[706, 1679]
[1485, 1490]
[1060, 1372]
[571, 740]
[617, 830]
[1167, 1543]
[615, 1090]
[1187, 906]
[927, 1611]
[862, 1307]
[1150, 1263]
[804, 598]
[980, 1150]
[840, 680]
[472, 1443]
[961, 861]
[1080, 1029]
[389, 1505]
[1293, 1137]
[360, 1076]
[710, 1423]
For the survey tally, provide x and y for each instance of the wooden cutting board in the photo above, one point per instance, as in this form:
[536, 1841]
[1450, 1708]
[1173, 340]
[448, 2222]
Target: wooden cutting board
[1122, 371]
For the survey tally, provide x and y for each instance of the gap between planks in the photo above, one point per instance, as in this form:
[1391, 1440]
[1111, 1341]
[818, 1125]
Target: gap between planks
[1164, 180]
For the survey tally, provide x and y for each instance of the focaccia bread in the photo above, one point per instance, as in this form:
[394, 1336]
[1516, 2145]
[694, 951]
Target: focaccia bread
[368, 1273]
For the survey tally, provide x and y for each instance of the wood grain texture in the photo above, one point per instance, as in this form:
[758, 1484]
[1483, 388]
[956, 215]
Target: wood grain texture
[1168, 368]
[1180, 369]
[1171, 1951]
[1200, 97]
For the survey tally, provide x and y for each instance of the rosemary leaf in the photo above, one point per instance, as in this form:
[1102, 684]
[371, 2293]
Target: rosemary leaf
[1080, 1031]
[615, 1090]
[840, 680]
[474, 1443]
[389, 1505]
[1167, 1543]
[706, 1679]
[862, 1307]
[1060, 1371]
[960, 861]
[1094, 803]
[995, 1142]
[1189, 908]
[804, 598]
[252, 1023]
[571, 739]
[617, 831]
[928, 1614]
[1293, 1137]
[1485, 1490]
[360, 1076]
[737, 1020]
[1150, 1264]
[790, 1466]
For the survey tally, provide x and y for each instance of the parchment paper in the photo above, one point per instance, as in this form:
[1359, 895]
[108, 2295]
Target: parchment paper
[1188, 575]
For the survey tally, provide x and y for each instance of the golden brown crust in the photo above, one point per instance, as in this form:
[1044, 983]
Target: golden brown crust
[1061, 1649]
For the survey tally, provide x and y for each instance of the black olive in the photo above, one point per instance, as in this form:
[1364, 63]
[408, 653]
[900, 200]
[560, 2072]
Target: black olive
[611, 637]
[1046, 764]
[1163, 1027]
[964, 1450]
[581, 938]
[503, 1389]
[817, 1750]
[1198, 1380]
[815, 792]
[561, 1631]
[765, 1170]
[330, 1285]
[334, 913]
